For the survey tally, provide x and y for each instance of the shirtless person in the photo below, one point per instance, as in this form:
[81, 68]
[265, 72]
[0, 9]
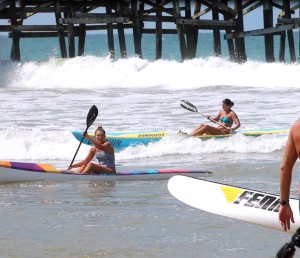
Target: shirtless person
[290, 156]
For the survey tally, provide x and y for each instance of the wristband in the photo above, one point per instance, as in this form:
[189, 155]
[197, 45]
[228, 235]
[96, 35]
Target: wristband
[284, 202]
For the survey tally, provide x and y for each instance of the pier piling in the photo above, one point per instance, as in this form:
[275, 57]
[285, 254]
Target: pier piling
[74, 18]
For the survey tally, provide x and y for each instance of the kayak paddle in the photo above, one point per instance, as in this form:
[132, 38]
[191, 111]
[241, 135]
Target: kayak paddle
[91, 117]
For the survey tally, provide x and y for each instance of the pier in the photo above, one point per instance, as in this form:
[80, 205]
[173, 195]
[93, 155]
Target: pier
[72, 19]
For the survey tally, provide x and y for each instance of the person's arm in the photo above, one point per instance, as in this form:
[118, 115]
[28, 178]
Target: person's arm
[291, 154]
[106, 146]
[88, 158]
[286, 168]
[236, 122]
[289, 158]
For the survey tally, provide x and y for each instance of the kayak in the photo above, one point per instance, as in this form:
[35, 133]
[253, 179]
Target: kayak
[122, 140]
[248, 205]
[11, 171]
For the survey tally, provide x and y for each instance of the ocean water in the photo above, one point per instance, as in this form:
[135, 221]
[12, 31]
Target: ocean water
[44, 97]
[42, 49]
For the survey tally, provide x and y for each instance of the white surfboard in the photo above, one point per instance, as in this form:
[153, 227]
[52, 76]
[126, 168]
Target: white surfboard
[230, 201]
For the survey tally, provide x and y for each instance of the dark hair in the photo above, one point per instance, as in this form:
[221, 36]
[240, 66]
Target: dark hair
[228, 102]
[100, 129]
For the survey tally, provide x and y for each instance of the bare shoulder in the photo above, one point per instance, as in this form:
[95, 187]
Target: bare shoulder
[294, 136]
[295, 129]
[296, 124]
[107, 144]
[233, 114]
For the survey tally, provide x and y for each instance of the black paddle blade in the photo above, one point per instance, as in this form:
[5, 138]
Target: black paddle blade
[92, 115]
[188, 105]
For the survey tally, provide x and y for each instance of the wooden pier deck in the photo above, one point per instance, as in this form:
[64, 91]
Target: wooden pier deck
[73, 18]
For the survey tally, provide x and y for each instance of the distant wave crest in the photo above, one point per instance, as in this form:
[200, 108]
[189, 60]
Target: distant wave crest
[92, 72]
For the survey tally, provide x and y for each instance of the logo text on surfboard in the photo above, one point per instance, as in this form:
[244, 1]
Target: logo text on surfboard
[251, 198]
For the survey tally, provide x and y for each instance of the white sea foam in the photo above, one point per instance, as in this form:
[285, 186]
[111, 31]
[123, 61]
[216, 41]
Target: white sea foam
[37, 144]
[92, 72]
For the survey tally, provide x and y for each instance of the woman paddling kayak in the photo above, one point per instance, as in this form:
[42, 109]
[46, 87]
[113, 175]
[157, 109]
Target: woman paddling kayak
[103, 151]
[227, 118]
